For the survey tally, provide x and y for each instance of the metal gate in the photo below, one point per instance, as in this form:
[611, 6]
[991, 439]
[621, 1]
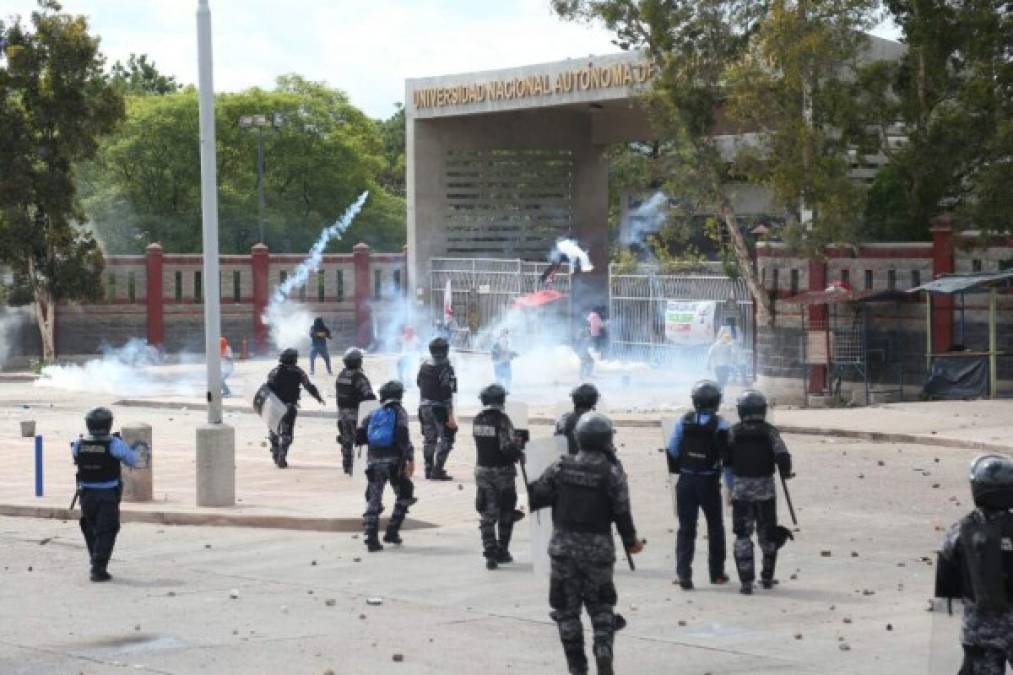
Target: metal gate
[637, 304]
[483, 291]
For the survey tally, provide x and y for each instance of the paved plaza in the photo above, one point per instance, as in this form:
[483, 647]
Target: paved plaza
[853, 594]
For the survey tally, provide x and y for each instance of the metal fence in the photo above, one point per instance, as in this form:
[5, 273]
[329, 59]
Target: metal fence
[637, 304]
[483, 291]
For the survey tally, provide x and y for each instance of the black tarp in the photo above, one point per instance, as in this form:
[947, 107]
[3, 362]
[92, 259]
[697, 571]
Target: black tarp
[958, 378]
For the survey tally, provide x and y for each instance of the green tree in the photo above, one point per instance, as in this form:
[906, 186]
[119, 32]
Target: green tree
[320, 155]
[953, 94]
[776, 69]
[392, 130]
[55, 101]
[140, 77]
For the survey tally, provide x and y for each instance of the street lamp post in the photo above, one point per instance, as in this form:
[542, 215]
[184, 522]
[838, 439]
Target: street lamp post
[216, 442]
[260, 122]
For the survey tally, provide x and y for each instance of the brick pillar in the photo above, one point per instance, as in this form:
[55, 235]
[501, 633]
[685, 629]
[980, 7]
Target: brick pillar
[260, 262]
[363, 324]
[153, 295]
[942, 263]
[817, 313]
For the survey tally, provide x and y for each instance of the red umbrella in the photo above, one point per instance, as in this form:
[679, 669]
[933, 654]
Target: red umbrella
[537, 299]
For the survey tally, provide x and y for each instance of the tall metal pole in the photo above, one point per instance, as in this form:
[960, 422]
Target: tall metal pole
[260, 181]
[209, 212]
[993, 345]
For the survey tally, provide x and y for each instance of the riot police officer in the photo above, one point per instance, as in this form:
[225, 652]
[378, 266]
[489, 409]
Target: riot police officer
[755, 448]
[98, 457]
[437, 386]
[697, 445]
[287, 381]
[498, 447]
[587, 492]
[351, 388]
[585, 398]
[390, 459]
[976, 564]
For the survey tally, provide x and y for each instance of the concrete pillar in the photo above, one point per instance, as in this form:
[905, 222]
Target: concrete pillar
[363, 324]
[818, 376]
[216, 465]
[942, 263]
[590, 201]
[137, 481]
[260, 263]
[153, 296]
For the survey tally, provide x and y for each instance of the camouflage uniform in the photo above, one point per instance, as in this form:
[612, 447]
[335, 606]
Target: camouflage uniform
[352, 388]
[987, 636]
[583, 561]
[496, 496]
[386, 465]
[754, 505]
[437, 385]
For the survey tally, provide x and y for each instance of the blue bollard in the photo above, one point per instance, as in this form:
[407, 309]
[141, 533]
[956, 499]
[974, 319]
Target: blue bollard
[38, 465]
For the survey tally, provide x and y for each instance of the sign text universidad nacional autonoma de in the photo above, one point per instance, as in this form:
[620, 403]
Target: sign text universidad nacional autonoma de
[587, 78]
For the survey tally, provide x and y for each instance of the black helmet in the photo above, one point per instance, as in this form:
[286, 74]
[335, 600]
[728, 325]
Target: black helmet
[99, 421]
[289, 357]
[494, 394]
[391, 391]
[352, 358]
[439, 347]
[752, 406]
[706, 396]
[594, 432]
[585, 395]
[992, 482]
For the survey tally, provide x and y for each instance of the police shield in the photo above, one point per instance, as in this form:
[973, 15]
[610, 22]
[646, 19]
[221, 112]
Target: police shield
[270, 408]
[667, 427]
[945, 651]
[540, 454]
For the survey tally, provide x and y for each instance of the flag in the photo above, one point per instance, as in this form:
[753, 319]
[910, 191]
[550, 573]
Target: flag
[448, 303]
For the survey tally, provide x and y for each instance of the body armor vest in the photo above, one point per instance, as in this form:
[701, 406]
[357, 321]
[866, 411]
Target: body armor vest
[486, 430]
[582, 501]
[987, 548]
[429, 381]
[347, 388]
[752, 451]
[701, 444]
[95, 462]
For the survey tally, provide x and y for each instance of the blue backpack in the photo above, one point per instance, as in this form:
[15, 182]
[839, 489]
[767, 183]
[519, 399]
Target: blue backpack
[380, 433]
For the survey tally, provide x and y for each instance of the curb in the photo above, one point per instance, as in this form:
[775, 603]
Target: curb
[211, 519]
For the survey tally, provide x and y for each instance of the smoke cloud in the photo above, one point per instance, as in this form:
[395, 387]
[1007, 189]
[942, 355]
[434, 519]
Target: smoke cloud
[11, 320]
[289, 322]
[644, 220]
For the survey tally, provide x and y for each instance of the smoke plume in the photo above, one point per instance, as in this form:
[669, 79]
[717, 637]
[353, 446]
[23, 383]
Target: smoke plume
[288, 322]
[643, 221]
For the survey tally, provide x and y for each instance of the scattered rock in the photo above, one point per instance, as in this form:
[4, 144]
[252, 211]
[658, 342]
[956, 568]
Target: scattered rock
[844, 647]
[935, 486]
[881, 463]
[397, 658]
[284, 609]
[362, 617]
[825, 554]
[137, 627]
[854, 554]
[793, 577]
[207, 545]
[682, 623]
[330, 602]
[355, 536]
[889, 626]
[798, 636]
[861, 475]
[171, 594]
[868, 592]
[460, 486]
[375, 602]
[29, 568]
[313, 563]
[847, 619]
[45, 541]
[234, 594]
[356, 559]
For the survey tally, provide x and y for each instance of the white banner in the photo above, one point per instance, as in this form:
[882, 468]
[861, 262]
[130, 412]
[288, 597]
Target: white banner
[690, 322]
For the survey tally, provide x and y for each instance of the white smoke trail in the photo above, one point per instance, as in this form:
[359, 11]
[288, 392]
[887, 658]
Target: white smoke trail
[644, 220]
[11, 320]
[572, 250]
[289, 323]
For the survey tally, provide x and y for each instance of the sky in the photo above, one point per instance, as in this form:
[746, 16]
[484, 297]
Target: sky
[365, 47]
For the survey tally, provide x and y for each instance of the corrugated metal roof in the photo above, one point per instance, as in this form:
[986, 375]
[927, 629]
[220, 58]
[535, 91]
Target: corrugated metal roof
[962, 283]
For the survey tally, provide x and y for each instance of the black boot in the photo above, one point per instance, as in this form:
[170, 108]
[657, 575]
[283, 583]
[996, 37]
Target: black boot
[604, 664]
[503, 556]
[372, 542]
[440, 474]
[391, 536]
[281, 461]
[98, 574]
